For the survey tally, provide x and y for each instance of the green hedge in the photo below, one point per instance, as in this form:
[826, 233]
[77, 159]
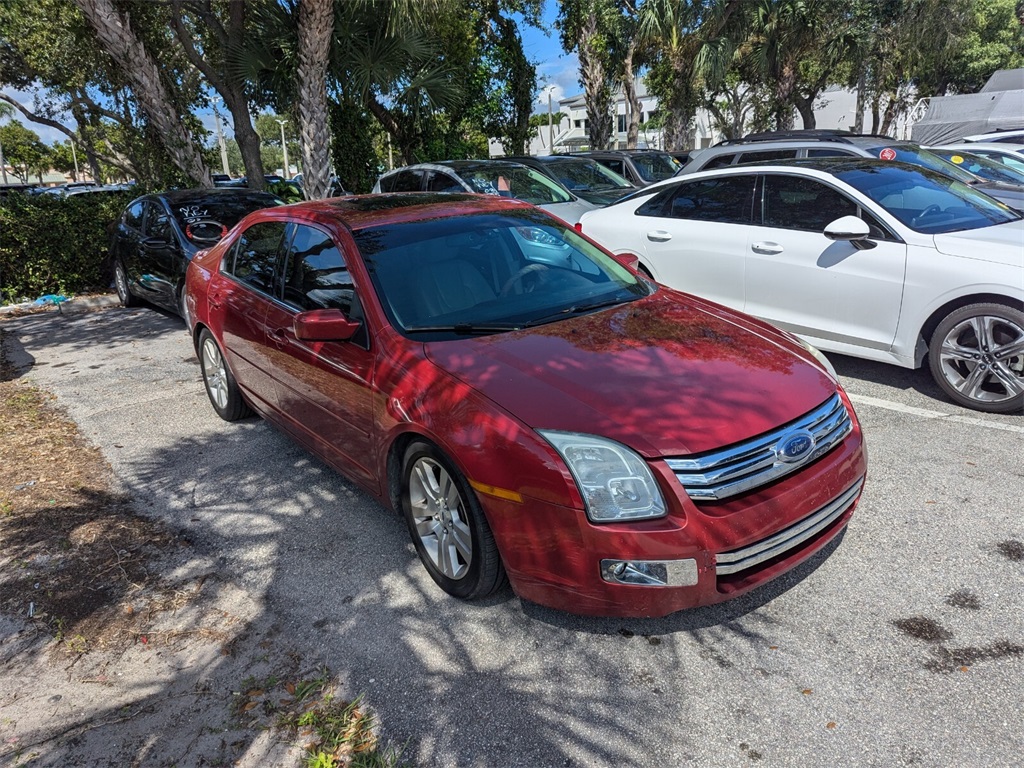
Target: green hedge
[56, 245]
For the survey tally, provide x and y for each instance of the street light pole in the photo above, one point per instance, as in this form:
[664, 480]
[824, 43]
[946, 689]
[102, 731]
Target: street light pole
[551, 126]
[3, 163]
[74, 156]
[284, 146]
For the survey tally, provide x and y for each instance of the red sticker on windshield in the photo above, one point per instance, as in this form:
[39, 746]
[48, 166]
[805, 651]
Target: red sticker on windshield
[888, 154]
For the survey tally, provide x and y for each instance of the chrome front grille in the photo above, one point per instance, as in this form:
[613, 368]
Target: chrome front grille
[740, 468]
[783, 541]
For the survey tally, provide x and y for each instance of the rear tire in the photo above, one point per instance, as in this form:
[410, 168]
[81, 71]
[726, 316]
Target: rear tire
[124, 292]
[448, 526]
[976, 356]
[221, 387]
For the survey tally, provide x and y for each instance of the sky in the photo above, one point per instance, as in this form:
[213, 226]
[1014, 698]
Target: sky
[557, 72]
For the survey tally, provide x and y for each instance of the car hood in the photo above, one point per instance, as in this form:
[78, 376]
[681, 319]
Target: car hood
[1003, 244]
[568, 212]
[667, 375]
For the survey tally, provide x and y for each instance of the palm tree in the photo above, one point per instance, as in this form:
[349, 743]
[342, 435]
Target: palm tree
[693, 42]
[316, 23]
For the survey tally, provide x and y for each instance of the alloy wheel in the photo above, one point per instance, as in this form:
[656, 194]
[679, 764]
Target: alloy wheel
[982, 358]
[440, 518]
[215, 374]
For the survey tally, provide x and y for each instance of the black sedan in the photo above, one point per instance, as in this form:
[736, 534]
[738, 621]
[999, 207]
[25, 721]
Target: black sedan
[157, 236]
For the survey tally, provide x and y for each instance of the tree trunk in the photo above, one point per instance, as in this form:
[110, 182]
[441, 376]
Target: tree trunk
[634, 106]
[596, 90]
[246, 137]
[120, 41]
[316, 23]
[862, 87]
[806, 109]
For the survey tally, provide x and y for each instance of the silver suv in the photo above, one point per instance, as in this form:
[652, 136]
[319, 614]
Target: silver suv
[777, 146]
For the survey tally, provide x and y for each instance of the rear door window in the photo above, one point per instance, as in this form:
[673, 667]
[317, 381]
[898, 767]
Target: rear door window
[438, 181]
[403, 181]
[726, 200]
[767, 156]
[256, 255]
[719, 162]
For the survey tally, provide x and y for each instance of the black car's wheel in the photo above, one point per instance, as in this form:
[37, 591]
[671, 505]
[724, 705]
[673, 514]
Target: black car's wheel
[977, 356]
[448, 526]
[121, 284]
[225, 397]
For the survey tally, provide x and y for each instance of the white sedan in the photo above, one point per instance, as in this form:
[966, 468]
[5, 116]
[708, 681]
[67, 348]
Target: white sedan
[864, 257]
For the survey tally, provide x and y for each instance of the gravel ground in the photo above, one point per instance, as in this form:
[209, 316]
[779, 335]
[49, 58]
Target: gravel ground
[903, 644]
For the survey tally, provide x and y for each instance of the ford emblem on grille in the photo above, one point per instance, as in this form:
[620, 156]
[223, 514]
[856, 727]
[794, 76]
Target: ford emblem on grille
[795, 446]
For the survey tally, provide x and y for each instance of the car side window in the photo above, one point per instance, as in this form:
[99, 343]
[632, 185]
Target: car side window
[767, 156]
[403, 181]
[256, 254]
[719, 162]
[133, 215]
[830, 153]
[438, 181]
[317, 277]
[794, 202]
[616, 165]
[158, 223]
[726, 200]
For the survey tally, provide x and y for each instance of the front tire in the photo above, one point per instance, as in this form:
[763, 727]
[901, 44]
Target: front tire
[976, 356]
[448, 526]
[124, 293]
[221, 387]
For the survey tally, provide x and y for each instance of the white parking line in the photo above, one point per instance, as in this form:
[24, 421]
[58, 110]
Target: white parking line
[926, 414]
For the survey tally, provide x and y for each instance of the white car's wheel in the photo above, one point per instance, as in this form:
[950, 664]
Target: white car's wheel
[977, 356]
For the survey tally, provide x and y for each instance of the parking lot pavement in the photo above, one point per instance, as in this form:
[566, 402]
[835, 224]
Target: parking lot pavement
[901, 645]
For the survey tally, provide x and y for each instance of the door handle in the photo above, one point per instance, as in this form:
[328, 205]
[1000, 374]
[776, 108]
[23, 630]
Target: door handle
[767, 247]
[659, 236]
[277, 335]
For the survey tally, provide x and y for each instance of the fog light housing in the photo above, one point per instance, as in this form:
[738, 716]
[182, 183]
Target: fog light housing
[650, 573]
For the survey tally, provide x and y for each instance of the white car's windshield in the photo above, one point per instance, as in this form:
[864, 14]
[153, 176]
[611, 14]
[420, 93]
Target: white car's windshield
[927, 202]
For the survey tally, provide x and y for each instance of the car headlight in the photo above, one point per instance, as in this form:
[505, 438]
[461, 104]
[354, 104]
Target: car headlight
[819, 356]
[616, 484]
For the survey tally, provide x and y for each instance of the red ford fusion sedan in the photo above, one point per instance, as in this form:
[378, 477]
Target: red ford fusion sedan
[536, 411]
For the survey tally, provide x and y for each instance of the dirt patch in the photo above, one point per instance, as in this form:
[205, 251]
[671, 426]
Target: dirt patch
[122, 644]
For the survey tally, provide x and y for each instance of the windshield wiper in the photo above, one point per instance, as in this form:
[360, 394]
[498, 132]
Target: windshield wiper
[574, 311]
[464, 329]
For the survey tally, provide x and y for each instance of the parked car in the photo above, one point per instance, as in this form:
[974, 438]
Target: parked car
[157, 236]
[487, 177]
[585, 178]
[774, 146]
[1010, 155]
[870, 258]
[530, 406]
[337, 189]
[979, 165]
[638, 166]
[1015, 136]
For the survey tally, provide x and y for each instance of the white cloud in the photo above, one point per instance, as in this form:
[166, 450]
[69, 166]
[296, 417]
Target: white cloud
[560, 76]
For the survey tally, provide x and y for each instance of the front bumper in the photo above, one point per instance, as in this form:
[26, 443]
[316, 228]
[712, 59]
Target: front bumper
[701, 553]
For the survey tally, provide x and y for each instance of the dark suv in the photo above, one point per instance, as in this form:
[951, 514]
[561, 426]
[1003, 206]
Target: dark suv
[637, 166]
[776, 146]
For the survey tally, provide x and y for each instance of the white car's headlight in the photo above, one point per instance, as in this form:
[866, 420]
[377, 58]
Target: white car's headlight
[819, 356]
[616, 484]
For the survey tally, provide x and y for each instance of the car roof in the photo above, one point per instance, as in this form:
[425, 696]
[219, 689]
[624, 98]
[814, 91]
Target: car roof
[365, 211]
[178, 196]
[814, 136]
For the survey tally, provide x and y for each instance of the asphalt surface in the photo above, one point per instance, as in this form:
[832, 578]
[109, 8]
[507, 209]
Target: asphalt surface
[901, 645]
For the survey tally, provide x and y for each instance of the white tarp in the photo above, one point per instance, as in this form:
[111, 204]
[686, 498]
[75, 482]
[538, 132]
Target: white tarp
[999, 106]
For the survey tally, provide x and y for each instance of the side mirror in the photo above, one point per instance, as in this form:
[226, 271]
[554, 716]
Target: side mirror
[324, 325]
[852, 229]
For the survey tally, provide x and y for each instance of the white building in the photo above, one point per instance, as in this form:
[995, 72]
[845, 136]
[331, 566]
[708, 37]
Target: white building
[835, 109]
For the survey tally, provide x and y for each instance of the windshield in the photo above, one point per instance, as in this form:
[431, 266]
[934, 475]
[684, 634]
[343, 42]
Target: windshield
[656, 166]
[206, 217]
[488, 273]
[981, 166]
[923, 158]
[582, 174]
[927, 202]
[516, 181]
